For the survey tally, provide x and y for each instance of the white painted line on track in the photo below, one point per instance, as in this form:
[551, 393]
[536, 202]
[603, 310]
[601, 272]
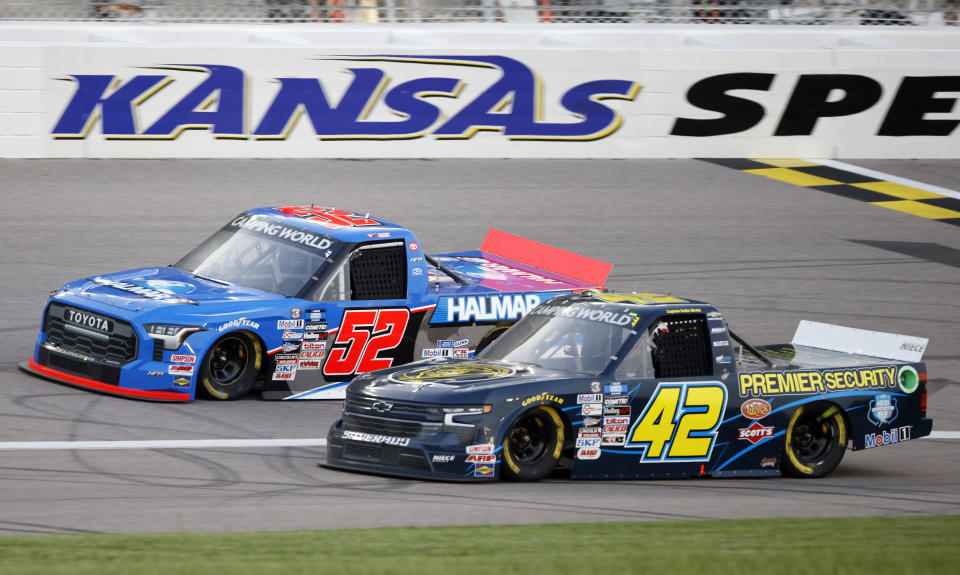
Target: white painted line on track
[944, 435]
[888, 177]
[159, 444]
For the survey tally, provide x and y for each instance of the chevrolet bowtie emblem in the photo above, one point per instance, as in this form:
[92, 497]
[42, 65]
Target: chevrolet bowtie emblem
[381, 406]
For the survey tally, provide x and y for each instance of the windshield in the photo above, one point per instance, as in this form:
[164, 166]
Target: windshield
[579, 337]
[257, 252]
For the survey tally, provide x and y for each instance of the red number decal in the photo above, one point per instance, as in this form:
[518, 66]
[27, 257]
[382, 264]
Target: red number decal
[329, 217]
[363, 334]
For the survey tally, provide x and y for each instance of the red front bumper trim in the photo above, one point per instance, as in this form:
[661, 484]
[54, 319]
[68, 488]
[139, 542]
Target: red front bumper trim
[47, 372]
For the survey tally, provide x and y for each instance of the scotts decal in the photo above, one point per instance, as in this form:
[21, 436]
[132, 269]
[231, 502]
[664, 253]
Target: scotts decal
[913, 111]
[511, 104]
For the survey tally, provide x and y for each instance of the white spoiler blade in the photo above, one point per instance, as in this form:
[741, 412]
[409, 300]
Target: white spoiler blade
[860, 341]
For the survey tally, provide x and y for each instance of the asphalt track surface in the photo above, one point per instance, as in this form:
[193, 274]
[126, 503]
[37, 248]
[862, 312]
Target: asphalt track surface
[768, 253]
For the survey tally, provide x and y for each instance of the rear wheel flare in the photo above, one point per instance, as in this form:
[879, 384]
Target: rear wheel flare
[815, 440]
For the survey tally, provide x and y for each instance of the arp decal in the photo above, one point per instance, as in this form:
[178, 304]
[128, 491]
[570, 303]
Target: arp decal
[679, 423]
[511, 105]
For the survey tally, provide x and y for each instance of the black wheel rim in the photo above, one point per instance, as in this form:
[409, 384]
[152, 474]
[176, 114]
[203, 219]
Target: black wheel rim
[811, 437]
[529, 439]
[228, 361]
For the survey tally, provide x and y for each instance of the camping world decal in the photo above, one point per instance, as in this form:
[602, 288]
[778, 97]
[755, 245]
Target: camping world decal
[502, 95]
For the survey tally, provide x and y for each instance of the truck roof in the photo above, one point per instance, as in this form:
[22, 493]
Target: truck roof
[344, 225]
[652, 300]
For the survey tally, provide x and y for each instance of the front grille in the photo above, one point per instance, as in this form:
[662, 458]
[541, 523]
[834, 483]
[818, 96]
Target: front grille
[392, 427]
[90, 369]
[365, 403]
[118, 344]
[385, 455]
[398, 419]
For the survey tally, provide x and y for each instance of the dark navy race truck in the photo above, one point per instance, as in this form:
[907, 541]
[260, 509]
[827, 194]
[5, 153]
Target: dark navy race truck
[602, 386]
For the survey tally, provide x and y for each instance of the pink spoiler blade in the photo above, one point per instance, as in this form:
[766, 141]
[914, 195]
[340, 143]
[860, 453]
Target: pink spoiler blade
[545, 257]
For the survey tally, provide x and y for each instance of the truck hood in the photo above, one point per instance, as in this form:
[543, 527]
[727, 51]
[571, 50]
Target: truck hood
[453, 381]
[147, 289]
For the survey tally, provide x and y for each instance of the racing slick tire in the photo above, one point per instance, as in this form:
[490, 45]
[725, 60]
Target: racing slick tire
[533, 444]
[815, 441]
[231, 367]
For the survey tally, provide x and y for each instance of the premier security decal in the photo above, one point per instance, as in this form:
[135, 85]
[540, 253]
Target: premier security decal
[510, 105]
[796, 382]
[487, 308]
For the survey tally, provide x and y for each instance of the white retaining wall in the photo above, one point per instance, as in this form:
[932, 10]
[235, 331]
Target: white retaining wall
[105, 90]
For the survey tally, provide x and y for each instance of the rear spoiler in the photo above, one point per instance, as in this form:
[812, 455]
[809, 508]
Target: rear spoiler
[545, 257]
[859, 341]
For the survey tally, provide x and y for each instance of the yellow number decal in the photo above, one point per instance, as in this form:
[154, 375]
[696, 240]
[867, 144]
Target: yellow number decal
[655, 427]
[680, 419]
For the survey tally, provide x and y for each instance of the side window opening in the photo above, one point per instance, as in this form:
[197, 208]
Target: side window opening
[680, 347]
[379, 272]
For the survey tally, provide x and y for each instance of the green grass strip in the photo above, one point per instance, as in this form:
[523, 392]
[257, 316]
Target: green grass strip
[875, 545]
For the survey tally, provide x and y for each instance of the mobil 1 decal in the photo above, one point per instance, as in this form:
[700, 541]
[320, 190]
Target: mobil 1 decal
[921, 105]
[369, 339]
[447, 97]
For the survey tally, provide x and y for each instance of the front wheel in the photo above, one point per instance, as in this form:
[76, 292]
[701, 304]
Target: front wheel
[231, 367]
[533, 444]
[815, 441]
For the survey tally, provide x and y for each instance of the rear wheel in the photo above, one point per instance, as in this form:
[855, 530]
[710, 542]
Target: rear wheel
[815, 441]
[533, 444]
[231, 367]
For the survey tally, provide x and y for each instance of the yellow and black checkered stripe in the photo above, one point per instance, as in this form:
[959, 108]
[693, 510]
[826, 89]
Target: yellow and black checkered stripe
[881, 193]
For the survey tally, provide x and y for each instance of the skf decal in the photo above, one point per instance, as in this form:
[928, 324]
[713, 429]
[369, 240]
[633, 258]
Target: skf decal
[511, 105]
[796, 382]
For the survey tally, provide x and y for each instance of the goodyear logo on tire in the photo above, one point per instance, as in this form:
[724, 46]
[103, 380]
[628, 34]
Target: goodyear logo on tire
[462, 373]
